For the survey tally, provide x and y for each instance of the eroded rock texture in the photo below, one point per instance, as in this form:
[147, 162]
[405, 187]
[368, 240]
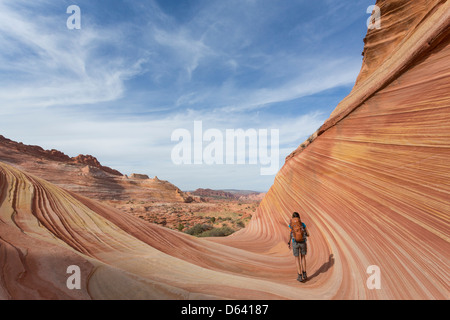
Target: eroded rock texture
[375, 183]
[373, 188]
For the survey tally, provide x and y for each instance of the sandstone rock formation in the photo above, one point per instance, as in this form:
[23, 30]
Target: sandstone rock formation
[213, 193]
[139, 176]
[45, 230]
[374, 182]
[372, 186]
[85, 175]
[229, 194]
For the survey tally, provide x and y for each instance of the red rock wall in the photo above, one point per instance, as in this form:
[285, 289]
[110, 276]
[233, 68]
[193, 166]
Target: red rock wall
[374, 186]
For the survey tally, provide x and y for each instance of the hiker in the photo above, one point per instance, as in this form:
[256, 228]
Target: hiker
[298, 238]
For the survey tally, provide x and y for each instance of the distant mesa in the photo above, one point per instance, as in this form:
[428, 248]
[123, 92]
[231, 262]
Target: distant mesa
[139, 176]
[213, 193]
[86, 176]
[204, 194]
[92, 161]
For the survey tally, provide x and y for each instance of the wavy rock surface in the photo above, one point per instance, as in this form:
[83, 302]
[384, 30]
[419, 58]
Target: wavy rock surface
[374, 184]
[45, 229]
[373, 188]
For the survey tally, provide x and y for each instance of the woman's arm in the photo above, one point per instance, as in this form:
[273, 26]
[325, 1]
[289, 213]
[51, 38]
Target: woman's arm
[290, 238]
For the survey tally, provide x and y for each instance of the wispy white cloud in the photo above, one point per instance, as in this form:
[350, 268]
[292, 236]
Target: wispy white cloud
[324, 76]
[188, 51]
[46, 64]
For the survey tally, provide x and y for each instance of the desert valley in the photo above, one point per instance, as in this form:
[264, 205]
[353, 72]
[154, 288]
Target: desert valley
[150, 199]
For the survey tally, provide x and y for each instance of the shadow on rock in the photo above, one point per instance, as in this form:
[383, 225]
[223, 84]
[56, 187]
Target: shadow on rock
[324, 268]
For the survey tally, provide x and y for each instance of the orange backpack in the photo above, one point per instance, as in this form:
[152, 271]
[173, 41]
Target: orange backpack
[297, 230]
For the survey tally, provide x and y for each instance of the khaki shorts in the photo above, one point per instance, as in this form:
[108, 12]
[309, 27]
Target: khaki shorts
[299, 248]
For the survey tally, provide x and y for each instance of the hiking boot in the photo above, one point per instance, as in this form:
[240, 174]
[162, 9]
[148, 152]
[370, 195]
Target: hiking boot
[300, 277]
[304, 276]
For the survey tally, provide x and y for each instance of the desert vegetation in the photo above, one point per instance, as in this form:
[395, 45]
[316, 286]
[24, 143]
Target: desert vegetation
[211, 218]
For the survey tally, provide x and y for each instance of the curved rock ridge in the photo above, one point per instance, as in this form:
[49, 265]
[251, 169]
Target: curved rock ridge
[400, 20]
[374, 183]
[44, 230]
[409, 31]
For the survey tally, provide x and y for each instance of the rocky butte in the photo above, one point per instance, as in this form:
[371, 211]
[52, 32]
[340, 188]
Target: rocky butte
[85, 175]
[372, 185]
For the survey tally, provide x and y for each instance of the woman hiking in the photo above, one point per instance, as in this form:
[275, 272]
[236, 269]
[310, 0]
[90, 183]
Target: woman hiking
[298, 236]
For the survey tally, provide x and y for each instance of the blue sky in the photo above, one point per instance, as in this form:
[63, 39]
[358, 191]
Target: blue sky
[138, 70]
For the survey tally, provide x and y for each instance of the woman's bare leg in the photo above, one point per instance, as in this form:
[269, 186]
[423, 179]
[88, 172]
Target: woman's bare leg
[303, 263]
[298, 264]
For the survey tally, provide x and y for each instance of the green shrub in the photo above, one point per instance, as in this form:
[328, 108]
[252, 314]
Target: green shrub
[217, 232]
[198, 229]
[240, 224]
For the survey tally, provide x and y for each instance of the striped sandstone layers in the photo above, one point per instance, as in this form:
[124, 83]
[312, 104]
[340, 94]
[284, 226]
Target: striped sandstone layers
[373, 188]
[45, 229]
[374, 185]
